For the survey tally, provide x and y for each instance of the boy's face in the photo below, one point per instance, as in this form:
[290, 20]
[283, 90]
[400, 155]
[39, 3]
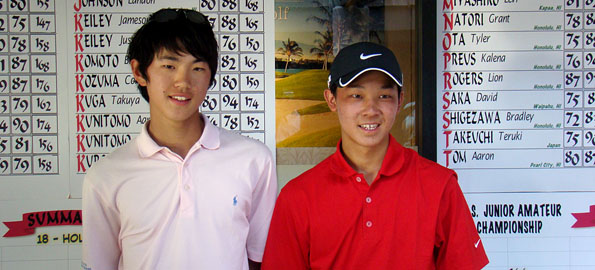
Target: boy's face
[176, 85]
[366, 108]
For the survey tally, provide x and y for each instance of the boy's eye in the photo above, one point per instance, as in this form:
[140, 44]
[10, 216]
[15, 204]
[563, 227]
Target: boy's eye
[355, 96]
[385, 96]
[168, 66]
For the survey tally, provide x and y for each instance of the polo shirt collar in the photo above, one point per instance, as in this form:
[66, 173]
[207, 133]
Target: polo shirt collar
[209, 140]
[393, 160]
[210, 135]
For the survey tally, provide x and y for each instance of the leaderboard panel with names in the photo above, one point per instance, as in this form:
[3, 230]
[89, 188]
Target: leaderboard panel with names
[515, 93]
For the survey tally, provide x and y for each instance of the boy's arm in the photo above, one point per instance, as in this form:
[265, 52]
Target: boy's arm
[458, 243]
[253, 265]
[262, 205]
[101, 227]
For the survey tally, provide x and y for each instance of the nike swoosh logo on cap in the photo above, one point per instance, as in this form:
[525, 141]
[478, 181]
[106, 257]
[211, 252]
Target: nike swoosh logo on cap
[364, 57]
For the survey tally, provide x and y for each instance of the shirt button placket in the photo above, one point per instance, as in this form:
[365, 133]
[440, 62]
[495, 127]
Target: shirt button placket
[185, 193]
[368, 223]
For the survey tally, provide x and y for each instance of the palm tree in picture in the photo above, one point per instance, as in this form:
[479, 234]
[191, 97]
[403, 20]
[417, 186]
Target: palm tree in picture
[325, 19]
[324, 47]
[289, 49]
[346, 20]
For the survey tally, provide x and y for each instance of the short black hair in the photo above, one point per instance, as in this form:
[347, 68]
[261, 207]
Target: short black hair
[179, 35]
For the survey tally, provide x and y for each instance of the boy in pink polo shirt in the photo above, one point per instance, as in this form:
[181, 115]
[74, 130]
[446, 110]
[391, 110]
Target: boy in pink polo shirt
[373, 204]
[184, 194]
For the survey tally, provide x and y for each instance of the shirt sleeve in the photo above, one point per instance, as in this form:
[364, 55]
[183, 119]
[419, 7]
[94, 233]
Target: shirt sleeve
[457, 241]
[101, 227]
[262, 205]
[288, 244]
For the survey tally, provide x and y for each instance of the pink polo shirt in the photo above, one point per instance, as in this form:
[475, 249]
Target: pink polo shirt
[144, 207]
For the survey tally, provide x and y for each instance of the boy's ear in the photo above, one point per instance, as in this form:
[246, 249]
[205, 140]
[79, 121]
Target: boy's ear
[331, 100]
[138, 76]
[401, 98]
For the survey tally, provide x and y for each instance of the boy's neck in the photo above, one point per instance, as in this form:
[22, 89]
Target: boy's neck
[365, 160]
[179, 137]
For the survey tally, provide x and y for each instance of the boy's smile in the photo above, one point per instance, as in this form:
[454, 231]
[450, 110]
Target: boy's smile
[176, 84]
[366, 108]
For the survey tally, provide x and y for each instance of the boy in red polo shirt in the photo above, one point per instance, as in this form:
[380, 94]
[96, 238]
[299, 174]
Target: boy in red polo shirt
[373, 204]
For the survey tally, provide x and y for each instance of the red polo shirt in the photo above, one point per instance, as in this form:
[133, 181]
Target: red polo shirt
[413, 216]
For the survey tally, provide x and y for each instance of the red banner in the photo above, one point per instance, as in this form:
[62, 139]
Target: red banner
[42, 219]
[584, 220]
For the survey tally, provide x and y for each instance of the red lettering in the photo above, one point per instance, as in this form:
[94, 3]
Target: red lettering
[446, 119]
[79, 66]
[447, 152]
[447, 57]
[446, 5]
[77, 9]
[79, 104]
[80, 147]
[81, 165]
[447, 21]
[79, 83]
[447, 132]
[447, 84]
[78, 26]
[79, 123]
[78, 46]
[446, 45]
[446, 100]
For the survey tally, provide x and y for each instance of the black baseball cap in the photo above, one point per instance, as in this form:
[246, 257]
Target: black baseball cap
[360, 57]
